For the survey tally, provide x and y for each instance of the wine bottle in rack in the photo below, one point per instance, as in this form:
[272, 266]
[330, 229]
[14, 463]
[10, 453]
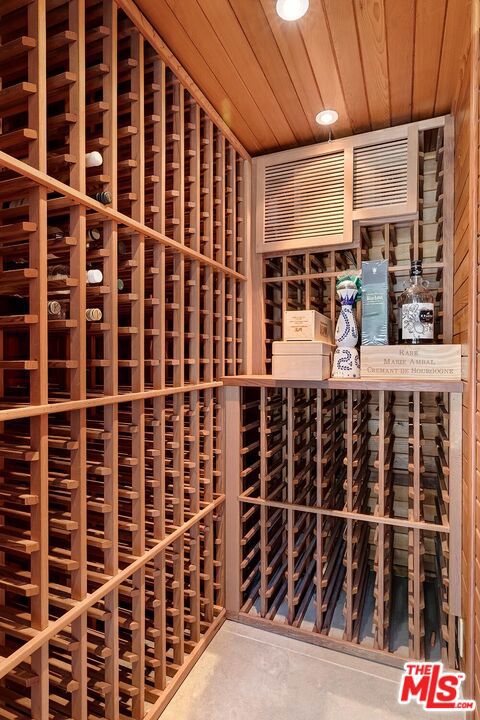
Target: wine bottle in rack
[54, 308]
[94, 276]
[417, 309]
[18, 262]
[104, 197]
[54, 233]
[93, 314]
[18, 202]
[57, 272]
[94, 239]
[93, 159]
[19, 305]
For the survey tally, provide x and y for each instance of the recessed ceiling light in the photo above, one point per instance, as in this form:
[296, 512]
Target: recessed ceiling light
[292, 9]
[326, 117]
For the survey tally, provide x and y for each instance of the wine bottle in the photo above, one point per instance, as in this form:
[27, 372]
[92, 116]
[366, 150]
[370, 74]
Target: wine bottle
[94, 276]
[60, 272]
[19, 305]
[94, 238]
[53, 307]
[93, 159]
[104, 197]
[18, 202]
[417, 309]
[54, 233]
[93, 314]
[57, 272]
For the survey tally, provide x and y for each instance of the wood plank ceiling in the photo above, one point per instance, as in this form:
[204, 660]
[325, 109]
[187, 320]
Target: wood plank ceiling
[377, 62]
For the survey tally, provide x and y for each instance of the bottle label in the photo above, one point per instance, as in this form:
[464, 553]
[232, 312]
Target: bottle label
[417, 321]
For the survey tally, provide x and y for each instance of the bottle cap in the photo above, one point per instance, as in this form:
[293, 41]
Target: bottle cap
[94, 276]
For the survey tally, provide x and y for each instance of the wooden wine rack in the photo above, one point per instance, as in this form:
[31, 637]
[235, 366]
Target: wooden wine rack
[306, 280]
[346, 499]
[345, 495]
[111, 465]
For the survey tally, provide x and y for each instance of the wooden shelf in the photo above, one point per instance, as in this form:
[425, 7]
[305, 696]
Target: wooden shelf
[396, 384]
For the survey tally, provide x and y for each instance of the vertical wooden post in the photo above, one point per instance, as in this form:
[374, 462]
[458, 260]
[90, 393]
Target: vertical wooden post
[231, 445]
[110, 237]
[290, 512]
[39, 352]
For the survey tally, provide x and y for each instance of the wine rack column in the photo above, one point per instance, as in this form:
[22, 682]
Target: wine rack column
[102, 108]
[78, 263]
[138, 373]
[193, 210]
[155, 169]
[37, 156]
[208, 325]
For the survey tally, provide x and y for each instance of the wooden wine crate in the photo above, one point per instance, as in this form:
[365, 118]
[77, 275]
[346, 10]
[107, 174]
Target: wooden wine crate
[306, 325]
[307, 360]
[428, 362]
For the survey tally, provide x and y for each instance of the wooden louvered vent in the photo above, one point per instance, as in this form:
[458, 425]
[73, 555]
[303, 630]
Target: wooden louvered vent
[317, 195]
[380, 175]
[304, 200]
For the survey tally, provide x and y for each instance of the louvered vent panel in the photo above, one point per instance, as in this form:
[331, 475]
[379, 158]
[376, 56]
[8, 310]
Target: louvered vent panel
[304, 199]
[380, 174]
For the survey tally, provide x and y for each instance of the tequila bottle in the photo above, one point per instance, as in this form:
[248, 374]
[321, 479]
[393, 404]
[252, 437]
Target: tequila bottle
[417, 309]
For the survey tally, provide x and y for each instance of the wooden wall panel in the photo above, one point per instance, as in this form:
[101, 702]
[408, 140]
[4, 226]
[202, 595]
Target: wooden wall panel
[377, 62]
[465, 110]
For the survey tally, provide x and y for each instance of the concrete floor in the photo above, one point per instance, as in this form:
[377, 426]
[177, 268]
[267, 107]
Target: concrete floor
[250, 674]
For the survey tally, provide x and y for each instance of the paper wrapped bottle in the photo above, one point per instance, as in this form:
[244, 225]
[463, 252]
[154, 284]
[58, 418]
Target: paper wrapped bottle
[346, 361]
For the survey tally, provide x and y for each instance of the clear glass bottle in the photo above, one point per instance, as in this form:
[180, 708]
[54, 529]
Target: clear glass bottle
[416, 309]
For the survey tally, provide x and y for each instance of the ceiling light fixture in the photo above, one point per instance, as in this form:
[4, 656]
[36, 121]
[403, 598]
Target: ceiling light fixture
[292, 9]
[326, 117]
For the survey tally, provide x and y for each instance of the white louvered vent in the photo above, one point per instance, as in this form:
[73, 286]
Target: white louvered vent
[304, 199]
[380, 174]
